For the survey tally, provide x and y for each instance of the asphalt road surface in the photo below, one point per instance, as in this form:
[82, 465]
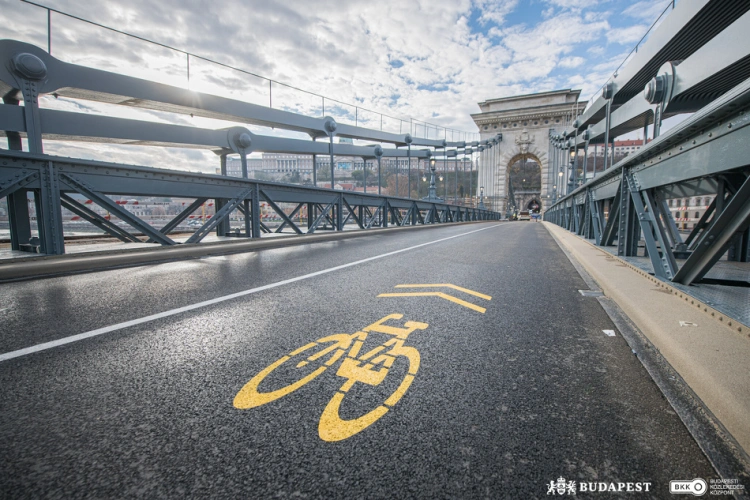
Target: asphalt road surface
[494, 387]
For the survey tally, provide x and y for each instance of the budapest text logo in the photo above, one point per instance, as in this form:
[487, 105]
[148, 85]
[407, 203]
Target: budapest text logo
[563, 487]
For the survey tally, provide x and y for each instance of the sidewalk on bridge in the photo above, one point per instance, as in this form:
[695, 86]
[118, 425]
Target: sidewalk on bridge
[711, 352]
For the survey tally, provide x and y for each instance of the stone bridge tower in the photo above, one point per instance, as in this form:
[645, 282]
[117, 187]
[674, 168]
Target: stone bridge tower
[526, 122]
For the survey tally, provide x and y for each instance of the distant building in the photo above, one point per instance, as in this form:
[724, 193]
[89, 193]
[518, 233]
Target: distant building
[234, 166]
[282, 163]
[622, 148]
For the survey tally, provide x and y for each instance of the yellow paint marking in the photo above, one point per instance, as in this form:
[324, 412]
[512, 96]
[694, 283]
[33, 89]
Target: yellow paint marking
[303, 348]
[396, 396]
[333, 428]
[448, 285]
[401, 333]
[355, 350]
[322, 353]
[249, 397]
[336, 356]
[385, 360]
[372, 353]
[437, 294]
[348, 385]
[370, 369]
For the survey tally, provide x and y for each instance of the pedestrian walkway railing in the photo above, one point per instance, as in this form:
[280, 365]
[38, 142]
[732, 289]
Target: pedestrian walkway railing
[54, 183]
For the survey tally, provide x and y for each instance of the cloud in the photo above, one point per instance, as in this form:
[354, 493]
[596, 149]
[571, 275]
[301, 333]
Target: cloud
[432, 60]
[573, 4]
[627, 36]
[571, 62]
[494, 10]
[647, 10]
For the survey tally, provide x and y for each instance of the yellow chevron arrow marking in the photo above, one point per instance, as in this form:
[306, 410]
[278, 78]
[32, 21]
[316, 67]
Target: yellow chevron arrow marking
[437, 294]
[448, 285]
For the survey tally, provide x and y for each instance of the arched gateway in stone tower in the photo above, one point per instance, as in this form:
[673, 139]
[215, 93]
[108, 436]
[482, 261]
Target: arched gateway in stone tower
[526, 122]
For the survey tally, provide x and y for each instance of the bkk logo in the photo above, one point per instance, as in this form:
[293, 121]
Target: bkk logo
[697, 487]
[563, 487]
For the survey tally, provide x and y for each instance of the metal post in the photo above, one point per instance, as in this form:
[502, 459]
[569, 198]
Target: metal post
[18, 205]
[379, 154]
[364, 172]
[340, 213]
[397, 193]
[607, 93]
[255, 211]
[49, 211]
[330, 149]
[657, 120]
[491, 171]
[248, 227]
[455, 186]
[596, 155]
[315, 165]
[445, 177]
[575, 155]
[224, 226]
[49, 32]
[471, 180]
[464, 172]
[408, 155]
[379, 177]
[243, 160]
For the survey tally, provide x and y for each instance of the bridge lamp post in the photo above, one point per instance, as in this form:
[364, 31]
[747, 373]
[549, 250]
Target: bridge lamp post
[571, 178]
[432, 193]
[481, 198]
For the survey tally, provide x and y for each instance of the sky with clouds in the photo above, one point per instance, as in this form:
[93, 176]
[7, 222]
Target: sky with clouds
[430, 60]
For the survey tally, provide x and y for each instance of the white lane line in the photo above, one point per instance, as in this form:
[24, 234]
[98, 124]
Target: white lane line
[609, 333]
[119, 326]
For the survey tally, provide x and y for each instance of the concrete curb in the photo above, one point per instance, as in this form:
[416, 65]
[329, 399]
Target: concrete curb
[47, 266]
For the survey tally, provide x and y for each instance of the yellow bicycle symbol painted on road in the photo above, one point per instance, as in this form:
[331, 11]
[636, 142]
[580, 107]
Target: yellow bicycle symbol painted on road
[370, 368]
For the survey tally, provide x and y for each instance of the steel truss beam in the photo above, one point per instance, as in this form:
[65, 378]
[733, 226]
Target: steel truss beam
[97, 220]
[104, 202]
[50, 178]
[733, 219]
[291, 217]
[171, 225]
[282, 214]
